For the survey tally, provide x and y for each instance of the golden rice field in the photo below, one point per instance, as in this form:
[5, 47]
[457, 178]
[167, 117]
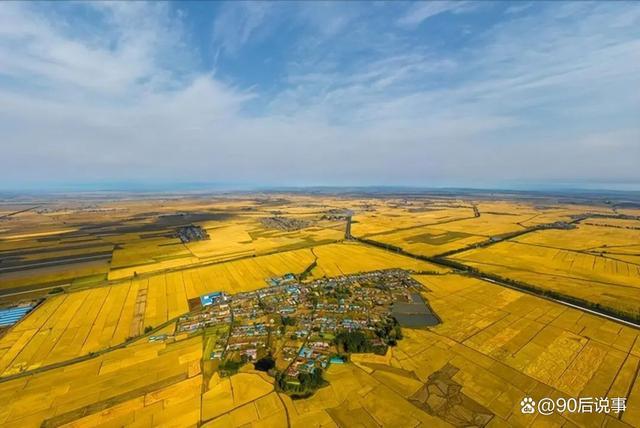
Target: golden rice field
[573, 262]
[71, 325]
[496, 217]
[498, 345]
[388, 220]
[53, 274]
[596, 239]
[348, 258]
[227, 242]
[531, 214]
[246, 274]
[75, 324]
[423, 226]
[144, 384]
[250, 273]
[613, 243]
[509, 344]
[428, 241]
[39, 254]
[140, 251]
[494, 346]
[236, 397]
[141, 243]
[444, 229]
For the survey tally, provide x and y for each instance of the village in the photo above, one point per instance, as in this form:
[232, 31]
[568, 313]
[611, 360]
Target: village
[296, 329]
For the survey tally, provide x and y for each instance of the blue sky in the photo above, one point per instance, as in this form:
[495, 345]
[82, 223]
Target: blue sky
[475, 94]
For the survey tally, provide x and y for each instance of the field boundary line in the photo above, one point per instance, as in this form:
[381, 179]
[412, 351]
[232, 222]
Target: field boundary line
[519, 286]
[51, 285]
[89, 356]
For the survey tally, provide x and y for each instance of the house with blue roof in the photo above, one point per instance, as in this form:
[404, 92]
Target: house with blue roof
[306, 352]
[211, 298]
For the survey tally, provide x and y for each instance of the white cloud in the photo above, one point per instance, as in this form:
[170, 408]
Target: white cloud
[47, 53]
[518, 7]
[238, 22]
[421, 11]
[551, 103]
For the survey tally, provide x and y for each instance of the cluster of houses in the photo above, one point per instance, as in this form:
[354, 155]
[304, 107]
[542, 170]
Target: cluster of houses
[296, 322]
[312, 355]
[287, 278]
[216, 311]
[248, 341]
[192, 233]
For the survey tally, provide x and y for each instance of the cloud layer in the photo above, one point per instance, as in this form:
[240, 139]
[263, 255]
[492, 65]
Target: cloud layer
[422, 94]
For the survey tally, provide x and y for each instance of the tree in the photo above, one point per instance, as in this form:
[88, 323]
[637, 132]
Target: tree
[289, 321]
[265, 364]
[353, 341]
[230, 366]
[390, 331]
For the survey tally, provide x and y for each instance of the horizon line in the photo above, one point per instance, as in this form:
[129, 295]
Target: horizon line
[217, 187]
